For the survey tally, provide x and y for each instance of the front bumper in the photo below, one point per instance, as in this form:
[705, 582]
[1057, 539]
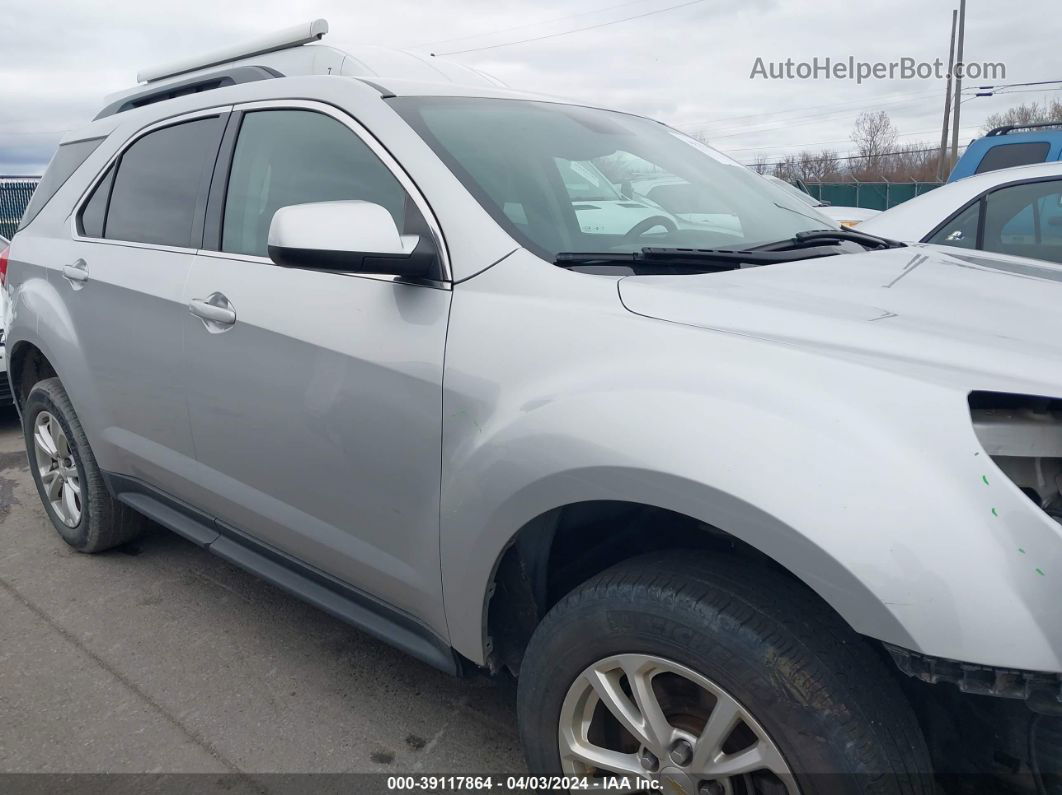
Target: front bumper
[1042, 691]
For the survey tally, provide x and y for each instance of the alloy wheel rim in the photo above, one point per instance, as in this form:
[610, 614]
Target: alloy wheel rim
[640, 715]
[57, 469]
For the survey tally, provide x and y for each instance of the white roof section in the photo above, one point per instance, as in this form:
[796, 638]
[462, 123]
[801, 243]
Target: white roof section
[917, 217]
[294, 52]
[278, 40]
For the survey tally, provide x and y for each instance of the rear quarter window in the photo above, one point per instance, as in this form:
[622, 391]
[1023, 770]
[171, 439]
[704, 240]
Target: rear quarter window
[1010, 155]
[67, 159]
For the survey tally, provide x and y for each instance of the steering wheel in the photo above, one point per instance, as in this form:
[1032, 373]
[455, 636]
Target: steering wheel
[646, 224]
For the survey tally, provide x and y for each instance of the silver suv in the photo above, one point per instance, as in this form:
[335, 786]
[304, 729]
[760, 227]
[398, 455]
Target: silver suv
[731, 491]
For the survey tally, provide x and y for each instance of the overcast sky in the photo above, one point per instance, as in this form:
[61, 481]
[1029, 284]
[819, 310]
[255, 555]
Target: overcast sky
[685, 62]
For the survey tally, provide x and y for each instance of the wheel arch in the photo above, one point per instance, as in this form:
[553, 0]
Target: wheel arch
[526, 575]
[27, 364]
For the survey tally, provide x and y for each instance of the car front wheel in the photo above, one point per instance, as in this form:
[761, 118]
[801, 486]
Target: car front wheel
[713, 676]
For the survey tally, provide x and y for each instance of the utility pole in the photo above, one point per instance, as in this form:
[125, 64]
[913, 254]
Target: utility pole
[942, 171]
[958, 82]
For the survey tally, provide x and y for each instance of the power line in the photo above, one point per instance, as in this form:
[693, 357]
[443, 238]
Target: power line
[573, 30]
[863, 157]
[822, 143]
[704, 124]
[732, 117]
[1005, 92]
[797, 121]
[806, 146]
[528, 25]
[1027, 91]
[1016, 85]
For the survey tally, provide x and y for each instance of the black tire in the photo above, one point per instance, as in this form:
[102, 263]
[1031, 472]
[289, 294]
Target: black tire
[104, 523]
[821, 693]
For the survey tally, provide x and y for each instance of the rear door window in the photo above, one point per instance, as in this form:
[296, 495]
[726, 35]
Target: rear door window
[160, 186]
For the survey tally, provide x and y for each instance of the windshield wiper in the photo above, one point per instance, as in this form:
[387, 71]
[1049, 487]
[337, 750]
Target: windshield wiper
[818, 237]
[690, 259]
[804, 245]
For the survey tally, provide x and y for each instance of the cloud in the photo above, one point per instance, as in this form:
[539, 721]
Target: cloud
[688, 66]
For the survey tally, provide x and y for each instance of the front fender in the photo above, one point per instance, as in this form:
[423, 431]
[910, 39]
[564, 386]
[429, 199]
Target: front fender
[869, 486]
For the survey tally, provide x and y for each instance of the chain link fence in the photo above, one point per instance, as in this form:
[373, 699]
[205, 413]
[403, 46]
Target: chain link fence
[15, 193]
[871, 195]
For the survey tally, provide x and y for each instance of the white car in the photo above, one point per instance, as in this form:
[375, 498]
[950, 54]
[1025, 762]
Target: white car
[600, 207]
[845, 216]
[1011, 211]
[604, 207]
[687, 202]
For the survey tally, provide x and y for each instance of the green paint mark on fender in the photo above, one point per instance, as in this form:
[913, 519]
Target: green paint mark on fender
[1040, 572]
[1022, 551]
[995, 512]
[985, 479]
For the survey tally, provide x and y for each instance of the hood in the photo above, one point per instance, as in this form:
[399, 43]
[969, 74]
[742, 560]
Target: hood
[993, 322]
[841, 214]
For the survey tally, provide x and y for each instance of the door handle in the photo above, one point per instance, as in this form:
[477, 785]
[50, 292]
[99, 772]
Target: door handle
[76, 272]
[215, 309]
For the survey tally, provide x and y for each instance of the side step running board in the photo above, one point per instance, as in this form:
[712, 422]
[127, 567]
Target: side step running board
[311, 585]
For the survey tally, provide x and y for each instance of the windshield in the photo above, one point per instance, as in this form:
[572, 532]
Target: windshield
[793, 190]
[583, 181]
[566, 178]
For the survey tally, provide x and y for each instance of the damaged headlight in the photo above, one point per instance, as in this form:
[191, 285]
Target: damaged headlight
[1023, 435]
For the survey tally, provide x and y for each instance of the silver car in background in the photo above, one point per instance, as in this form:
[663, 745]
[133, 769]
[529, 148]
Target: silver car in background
[735, 504]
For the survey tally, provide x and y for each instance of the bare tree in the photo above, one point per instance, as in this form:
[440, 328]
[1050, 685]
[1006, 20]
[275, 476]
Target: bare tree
[911, 162]
[788, 168]
[760, 164]
[1026, 113]
[829, 165]
[874, 135]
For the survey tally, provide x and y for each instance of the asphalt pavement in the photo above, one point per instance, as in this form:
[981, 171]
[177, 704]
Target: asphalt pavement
[161, 658]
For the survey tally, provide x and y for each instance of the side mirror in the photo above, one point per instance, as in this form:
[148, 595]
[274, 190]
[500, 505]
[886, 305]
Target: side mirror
[348, 236]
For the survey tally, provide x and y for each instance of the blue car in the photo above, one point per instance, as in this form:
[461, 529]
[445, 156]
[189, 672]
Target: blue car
[1005, 147]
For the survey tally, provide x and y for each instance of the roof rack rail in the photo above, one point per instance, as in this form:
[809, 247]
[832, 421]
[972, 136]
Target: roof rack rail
[1009, 128]
[208, 82]
[279, 40]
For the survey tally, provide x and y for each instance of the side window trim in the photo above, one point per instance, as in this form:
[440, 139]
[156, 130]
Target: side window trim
[222, 111]
[982, 211]
[214, 214]
[106, 180]
[223, 166]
